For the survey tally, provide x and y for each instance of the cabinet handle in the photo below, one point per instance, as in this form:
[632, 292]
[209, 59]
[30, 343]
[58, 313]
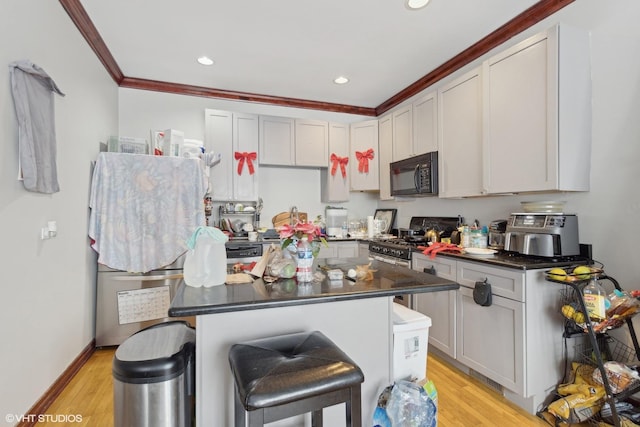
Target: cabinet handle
[430, 270]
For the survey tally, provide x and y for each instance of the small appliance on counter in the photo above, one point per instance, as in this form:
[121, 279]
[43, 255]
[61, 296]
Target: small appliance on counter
[337, 222]
[542, 234]
[497, 229]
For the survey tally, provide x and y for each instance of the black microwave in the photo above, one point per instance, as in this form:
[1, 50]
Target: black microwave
[415, 176]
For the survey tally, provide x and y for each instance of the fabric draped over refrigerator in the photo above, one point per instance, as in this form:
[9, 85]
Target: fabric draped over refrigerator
[144, 209]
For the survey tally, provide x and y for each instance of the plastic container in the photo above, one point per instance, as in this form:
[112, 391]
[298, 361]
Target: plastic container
[410, 339]
[335, 274]
[465, 241]
[595, 299]
[206, 261]
[478, 239]
[335, 218]
[304, 271]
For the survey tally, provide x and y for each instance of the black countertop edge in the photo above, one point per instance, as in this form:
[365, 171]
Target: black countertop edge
[319, 299]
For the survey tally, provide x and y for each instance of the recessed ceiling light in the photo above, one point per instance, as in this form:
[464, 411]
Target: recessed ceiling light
[417, 4]
[205, 60]
[340, 80]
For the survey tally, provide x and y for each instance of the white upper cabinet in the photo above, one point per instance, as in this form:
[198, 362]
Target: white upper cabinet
[293, 142]
[402, 133]
[385, 147]
[363, 156]
[538, 115]
[335, 178]
[311, 143]
[425, 124]
[276, 141]
[235, 137]
[460, 143]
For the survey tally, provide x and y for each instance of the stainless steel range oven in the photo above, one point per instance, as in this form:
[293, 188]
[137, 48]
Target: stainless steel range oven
[242, 252]
[391, 252]
[397, 251]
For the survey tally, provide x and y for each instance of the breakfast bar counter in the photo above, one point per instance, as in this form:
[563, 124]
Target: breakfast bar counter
[357, 316]
[388, 280]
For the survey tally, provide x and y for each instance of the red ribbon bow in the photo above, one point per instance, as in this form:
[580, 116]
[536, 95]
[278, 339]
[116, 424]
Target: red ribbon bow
[363, 160]
[337, 160]
[249, 157]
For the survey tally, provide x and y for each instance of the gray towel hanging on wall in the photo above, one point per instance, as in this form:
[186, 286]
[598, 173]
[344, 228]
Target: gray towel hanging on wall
[32, 91]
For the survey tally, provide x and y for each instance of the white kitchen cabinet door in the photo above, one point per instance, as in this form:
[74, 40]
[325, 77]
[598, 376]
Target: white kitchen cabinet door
[402, 133]
[439, 306]
[245, 140]
[311, 143]
[347, 249]
[425, 124]
[335, 185]
[277, 141]
[385, 147]
[342, 249]
[490, 339]
[537, 114]
[364, 141]
[460, 143]
[227, 133]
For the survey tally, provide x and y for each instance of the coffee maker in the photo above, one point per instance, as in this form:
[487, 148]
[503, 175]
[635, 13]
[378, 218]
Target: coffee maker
[497, 231]
[542, 234]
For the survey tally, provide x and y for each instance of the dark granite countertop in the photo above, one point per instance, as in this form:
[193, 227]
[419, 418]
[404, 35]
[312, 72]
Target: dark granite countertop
[515, 261]
[389, 280]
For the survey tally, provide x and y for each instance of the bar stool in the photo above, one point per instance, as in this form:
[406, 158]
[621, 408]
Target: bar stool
[287, 375]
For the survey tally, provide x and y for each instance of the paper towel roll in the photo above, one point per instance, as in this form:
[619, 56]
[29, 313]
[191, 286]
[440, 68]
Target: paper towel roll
[370, 226]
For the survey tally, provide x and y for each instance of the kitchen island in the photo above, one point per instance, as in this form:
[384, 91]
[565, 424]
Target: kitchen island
[357, 316]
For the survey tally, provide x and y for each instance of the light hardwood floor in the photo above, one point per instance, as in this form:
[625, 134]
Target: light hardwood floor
[463, 401]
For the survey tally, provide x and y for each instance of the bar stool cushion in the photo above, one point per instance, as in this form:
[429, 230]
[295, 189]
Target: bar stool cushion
[287, 368]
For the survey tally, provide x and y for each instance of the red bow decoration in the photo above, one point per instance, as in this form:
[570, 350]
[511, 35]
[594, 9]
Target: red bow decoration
[363, 160]
[337, 160]
[249, 157]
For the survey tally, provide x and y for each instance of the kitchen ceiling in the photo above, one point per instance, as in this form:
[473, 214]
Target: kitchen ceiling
[289, 51]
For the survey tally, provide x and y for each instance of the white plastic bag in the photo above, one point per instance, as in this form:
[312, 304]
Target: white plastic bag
[410, 406]
[206, 260]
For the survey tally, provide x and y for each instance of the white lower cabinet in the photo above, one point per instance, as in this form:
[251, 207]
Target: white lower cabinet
[490, 339]
[516, 341]
[342, 249]
[439, 306]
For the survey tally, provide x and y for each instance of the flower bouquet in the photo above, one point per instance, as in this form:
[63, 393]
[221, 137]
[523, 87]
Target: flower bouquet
[290, 234]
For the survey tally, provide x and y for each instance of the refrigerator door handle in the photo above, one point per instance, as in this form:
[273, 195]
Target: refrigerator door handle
[148, 278]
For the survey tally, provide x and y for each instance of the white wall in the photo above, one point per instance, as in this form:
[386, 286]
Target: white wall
[47, 314]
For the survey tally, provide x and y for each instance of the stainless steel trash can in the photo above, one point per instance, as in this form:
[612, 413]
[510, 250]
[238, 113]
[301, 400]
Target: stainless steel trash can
[153, 377]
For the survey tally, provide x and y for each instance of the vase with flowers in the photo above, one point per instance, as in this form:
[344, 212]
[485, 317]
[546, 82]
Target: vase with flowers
[303, 239]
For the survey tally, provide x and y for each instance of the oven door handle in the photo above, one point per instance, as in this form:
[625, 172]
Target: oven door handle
[382, 259]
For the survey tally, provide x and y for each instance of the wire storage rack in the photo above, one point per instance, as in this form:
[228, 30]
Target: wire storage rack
[601, 360]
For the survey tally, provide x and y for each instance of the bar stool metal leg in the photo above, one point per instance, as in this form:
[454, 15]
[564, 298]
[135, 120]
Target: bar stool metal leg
[316, 418]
